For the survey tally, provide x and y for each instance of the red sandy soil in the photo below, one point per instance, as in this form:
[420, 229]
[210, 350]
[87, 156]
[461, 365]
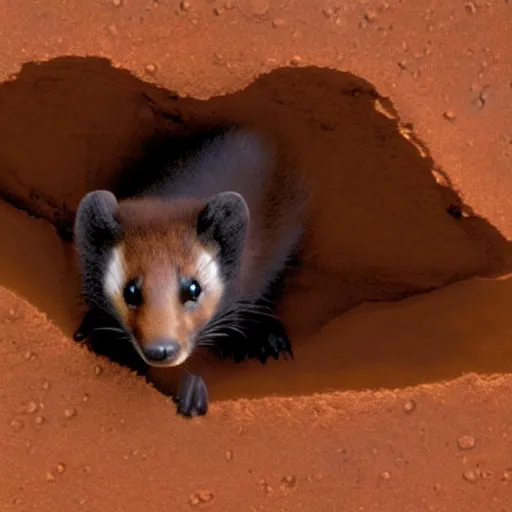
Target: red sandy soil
[430, 113]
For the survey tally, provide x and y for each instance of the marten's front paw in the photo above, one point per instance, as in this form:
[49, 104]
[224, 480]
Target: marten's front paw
[269, 339]
[275, 343]
[192, 396]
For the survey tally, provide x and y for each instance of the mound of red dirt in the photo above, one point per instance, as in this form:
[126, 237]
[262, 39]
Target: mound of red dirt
[399, 115]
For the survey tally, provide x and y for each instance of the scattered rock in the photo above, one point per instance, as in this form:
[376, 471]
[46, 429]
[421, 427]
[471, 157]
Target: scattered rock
[386, 475]
[201, 498]
[113, 29]
[39, 420]
[185, 5]
[45, 385]
[507, 475]
[29, 356]
[31, 407]
[50, 477]
[278, 22]
[295, 60]
[117, 3]
[409, 406]
[402, 64]
[229, 455]
[98, 370]
[259, 7]
[150, 69]
[85, 398]
[449, 115]
[470, 7]
[370, 16]
[17, 425]
[289, 481]
[470, 476]
[483, 96]
[61, 468]
[218, 11]
[466, 442]
[69, 413]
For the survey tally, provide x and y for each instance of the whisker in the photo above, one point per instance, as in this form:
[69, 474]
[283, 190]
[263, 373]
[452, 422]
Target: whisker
[111, 329]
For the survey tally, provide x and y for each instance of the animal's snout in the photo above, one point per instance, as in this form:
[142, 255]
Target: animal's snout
[162, 350]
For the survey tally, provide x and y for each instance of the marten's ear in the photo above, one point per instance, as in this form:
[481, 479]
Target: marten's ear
[96, 228]
[223, 222]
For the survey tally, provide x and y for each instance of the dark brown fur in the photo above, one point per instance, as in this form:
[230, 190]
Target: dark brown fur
[251, 233]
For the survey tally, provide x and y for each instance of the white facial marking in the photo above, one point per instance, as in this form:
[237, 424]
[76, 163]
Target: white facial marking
[209, 272]
[114, 275]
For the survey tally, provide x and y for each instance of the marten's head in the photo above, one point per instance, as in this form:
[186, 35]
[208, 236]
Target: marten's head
[163, 269]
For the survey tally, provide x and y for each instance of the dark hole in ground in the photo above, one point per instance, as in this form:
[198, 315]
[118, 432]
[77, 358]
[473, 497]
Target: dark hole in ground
[383, 228]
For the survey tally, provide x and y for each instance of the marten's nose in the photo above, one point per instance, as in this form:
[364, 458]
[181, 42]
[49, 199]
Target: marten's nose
[162, 350]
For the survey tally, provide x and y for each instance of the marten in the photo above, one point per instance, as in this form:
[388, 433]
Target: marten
[197, 257]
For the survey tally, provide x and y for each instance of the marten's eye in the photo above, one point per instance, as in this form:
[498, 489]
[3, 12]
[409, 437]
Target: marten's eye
[190, 290]
[132, 293]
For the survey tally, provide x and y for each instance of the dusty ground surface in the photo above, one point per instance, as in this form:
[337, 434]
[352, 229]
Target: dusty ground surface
[78, 436]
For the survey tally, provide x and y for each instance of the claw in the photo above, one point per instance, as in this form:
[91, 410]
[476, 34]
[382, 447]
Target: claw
[192, 397]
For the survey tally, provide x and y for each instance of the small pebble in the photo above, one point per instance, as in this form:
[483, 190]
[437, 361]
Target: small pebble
[449, 115]
[229, 455]
[184, 5]
[29, 356]
[85, 398]
[370, 16]
[50, 477]
[289, 481]
[69, 413]
[410, 406]
[113, 29]
[39, 420]
[45, 385]
[278, 22]
[470, 7]
[200, 498]
[17, 424]
[470, 476]
[117, 3]
[507, 475]
[296, 60]
[32, 407]
[466, 442]
[259, 7]
[98, 370]
[61, 468]
[386, 475]
[218, 11]
[150, 69]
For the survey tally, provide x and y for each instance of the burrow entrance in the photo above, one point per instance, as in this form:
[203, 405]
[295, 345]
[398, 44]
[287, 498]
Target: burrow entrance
[385, 224]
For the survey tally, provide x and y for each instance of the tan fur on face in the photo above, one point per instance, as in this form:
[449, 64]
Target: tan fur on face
[159, 246]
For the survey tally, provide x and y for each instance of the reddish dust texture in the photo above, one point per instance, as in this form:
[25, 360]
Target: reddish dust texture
[79, 433]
